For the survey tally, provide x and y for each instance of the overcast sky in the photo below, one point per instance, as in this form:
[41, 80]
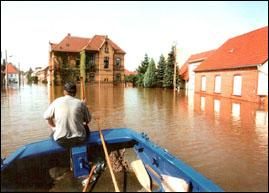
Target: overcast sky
[137, 27]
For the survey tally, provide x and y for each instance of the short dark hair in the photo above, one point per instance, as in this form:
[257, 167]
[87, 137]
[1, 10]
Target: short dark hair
[70, 88]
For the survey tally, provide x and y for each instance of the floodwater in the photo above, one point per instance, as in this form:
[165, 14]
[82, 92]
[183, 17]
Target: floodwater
[225, 140]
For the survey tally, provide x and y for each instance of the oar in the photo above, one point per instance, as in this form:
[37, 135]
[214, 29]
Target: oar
[108, 160]
[89, 178]
[169, 183]
[103, 142]
[82, 88]
[138, 168]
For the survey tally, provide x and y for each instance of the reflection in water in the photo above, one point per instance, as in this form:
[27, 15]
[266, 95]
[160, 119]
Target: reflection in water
[225, 140]
[202, 103]
[216, 105]
[236, 110]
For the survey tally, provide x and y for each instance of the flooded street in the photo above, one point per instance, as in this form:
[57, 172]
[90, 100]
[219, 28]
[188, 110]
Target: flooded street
[224, 139]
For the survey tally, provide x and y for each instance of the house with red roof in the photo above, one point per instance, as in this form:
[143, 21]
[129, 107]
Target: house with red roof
[238, 69]
[12, 73]
[96, 59]
[187, 70]
[128, 72]
[41, 73]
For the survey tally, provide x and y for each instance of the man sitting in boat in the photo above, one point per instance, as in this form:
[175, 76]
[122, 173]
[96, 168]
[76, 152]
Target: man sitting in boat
[68, 118]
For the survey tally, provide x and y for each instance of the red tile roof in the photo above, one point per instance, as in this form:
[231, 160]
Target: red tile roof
[192, 59]
[246, 50]
[12, 69]
[77, 44]
[127, 72]
[71, 44]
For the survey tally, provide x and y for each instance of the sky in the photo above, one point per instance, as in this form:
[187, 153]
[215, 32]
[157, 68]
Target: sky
[139, 28]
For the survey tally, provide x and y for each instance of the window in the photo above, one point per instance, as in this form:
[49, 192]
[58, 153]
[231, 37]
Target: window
[237, 87]
[117, 61]
[262, 84]
[77, 62]
[92, 60]
[203, 83]
[106, 62]
[217, 84]
[106, 48]
[65, 60]
[118, 77]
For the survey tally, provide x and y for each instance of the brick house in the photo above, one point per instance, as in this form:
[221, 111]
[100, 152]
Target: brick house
[187, 70]
[96, 58]
[238, 69]
[42, 74]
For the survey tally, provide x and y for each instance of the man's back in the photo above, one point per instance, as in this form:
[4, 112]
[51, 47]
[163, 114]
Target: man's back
[69, 114]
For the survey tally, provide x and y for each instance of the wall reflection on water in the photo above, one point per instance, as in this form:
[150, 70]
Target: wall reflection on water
[225, 140]
[241, 129]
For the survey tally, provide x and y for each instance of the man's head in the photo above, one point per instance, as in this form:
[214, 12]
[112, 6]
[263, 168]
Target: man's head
[70, 88]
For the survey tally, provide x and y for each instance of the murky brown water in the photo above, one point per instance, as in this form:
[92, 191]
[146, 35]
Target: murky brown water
[225, 140]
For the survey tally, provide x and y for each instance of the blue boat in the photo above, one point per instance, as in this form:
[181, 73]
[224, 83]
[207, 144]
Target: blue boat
[33, 161]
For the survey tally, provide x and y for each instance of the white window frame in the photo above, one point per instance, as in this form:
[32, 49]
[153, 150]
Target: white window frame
[237, 85]
[217, 84]
[262, 84]
[203, 83]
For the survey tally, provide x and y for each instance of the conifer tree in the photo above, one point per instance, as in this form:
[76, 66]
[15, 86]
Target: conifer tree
[142, 70]
[144, 65]
[160, 71]
[150, 78]
[169, 70]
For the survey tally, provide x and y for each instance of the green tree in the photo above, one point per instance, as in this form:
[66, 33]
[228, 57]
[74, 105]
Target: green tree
[140, 80]
[131, 78]
[169, 70]
[144, 65]
[29, 75]
[160, 71]
[141, 70]
[150, 79]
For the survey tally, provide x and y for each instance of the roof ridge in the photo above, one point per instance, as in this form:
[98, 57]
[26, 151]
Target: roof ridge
[247, 33]
[56, 47]
[251, 48]
[203, 52]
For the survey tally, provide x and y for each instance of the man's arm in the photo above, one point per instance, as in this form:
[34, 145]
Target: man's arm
[49, 114]
[51, 122]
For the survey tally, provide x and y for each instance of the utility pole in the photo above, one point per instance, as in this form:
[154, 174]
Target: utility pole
[19, 75]
[6, 70]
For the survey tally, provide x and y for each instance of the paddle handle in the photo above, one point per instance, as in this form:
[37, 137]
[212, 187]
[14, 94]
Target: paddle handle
[82, 88]
[89, 178]
[108, 162]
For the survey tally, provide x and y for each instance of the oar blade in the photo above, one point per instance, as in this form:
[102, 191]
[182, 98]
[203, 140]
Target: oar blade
[141, 174]
[174, 184]
[139, 169]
